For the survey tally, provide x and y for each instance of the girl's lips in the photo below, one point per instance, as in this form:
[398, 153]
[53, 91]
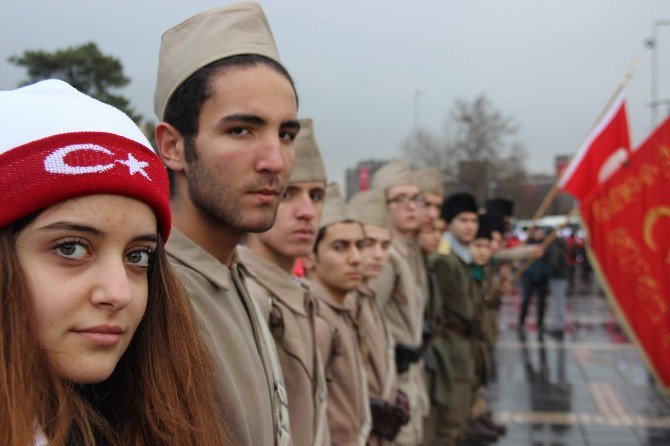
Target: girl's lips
[101, 335]
[100, 339]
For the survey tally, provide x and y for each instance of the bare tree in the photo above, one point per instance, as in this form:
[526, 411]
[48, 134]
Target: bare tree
[474, 131]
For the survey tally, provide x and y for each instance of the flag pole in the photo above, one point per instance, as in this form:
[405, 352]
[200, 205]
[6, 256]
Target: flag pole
[551, 195]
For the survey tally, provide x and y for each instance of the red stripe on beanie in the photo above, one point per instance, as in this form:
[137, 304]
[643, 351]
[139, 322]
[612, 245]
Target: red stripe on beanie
[42, 173]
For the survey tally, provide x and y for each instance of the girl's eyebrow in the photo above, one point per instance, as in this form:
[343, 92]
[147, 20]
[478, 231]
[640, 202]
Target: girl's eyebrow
[152, 238]
[71, 226]
[59, 225]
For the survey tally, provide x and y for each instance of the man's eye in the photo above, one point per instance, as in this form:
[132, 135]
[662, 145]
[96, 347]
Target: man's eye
[139, 258]
[316, 196]
[72, 250]
[287, 136]
[238, 131]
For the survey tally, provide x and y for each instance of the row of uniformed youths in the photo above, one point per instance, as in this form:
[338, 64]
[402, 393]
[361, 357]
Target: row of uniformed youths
[288, 353]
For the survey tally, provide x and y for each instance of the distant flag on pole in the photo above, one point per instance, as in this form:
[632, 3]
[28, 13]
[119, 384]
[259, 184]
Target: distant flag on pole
[605, 149]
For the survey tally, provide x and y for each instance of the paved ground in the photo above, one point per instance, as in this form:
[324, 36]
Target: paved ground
[589, 388]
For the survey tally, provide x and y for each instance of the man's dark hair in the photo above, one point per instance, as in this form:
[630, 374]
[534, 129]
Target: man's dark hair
[183, 108]
[322, 232]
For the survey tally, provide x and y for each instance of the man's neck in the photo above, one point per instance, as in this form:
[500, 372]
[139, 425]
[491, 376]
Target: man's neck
[459, 247]
[337, 294]
[401, 239]
[269, 254]
[219, 241]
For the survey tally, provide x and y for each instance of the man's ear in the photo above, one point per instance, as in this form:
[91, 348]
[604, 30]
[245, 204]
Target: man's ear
[170, 146]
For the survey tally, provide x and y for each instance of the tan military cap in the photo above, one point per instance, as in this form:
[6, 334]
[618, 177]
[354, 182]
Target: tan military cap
[334, 208]
[369, 207]
[429, 180]
[232, 30]
[308, 165]
[395, 173]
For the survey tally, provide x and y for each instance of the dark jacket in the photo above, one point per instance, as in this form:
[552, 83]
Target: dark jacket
[557, 259]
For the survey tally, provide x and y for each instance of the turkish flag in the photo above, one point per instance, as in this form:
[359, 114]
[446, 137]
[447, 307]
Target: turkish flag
[605, 149]
[628, 224]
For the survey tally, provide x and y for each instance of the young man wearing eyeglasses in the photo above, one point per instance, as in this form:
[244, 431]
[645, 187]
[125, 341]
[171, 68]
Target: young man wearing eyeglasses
[399, 289]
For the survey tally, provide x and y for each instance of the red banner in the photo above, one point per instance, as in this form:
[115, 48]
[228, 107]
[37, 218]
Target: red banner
[606, 148]
[628, 223]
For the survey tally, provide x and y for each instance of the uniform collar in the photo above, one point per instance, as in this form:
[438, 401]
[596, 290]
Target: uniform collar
[195, 257]
[281, 284]
[347, 305]
[457, 247]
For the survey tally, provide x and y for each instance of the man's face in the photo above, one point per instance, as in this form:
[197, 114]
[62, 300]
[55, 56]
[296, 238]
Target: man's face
[496, 241]
[480, 250]
[402, 203]
[429, 212]
[243, 151]
[431, 236]
[376, 250]
[464, 226]
[297, 222]
[338, 257]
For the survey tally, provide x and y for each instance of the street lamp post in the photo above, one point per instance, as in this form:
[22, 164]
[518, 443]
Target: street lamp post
[653, 45]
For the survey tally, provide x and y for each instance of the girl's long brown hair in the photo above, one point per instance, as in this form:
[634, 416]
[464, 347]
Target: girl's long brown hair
[162, 391]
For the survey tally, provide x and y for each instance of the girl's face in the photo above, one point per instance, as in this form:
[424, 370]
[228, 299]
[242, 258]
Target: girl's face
[85, 262]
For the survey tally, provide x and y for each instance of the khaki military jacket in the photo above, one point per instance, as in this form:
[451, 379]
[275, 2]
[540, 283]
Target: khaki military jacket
[377, 347]
[396, 293]
[229, 323]
[348, 406]
[289, 310]
[454, 366]
[378, 351]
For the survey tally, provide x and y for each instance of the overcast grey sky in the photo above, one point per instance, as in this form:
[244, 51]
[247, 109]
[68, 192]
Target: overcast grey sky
[551, 64]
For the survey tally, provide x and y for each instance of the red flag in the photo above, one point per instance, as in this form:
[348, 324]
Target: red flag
[628, 222]
[606, 148]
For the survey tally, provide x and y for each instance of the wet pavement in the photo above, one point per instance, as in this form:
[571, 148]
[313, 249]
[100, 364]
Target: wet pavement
[588, 387]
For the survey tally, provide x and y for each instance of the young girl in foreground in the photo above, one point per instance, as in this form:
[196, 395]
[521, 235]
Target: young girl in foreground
[98, 344]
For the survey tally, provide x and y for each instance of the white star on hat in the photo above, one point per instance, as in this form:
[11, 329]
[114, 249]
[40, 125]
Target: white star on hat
[135, 166]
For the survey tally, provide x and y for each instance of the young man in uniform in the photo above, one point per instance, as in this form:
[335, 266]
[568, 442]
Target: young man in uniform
[228, 112]
[334, 271]
[399, 289]
[451, 380]
[389, 406]
[286, 304]
[484, 292]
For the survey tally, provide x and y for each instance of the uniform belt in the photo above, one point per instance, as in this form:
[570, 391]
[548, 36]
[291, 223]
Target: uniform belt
[455, 327]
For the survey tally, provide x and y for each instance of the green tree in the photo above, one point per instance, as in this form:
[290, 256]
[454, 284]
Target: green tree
[84, 67]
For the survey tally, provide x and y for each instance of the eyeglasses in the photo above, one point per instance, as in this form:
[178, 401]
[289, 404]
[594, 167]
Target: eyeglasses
[404, 199]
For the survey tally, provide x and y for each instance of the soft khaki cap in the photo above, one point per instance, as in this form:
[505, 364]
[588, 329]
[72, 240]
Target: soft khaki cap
[241, 28]
[429, 180]
[334, 208]
[369, 207]
[395, 173]
[308, 165]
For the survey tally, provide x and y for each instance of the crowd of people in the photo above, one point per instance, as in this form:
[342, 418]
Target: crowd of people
[218, 289]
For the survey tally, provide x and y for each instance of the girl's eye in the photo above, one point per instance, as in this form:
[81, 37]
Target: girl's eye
[72, 250]
[140, 258]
